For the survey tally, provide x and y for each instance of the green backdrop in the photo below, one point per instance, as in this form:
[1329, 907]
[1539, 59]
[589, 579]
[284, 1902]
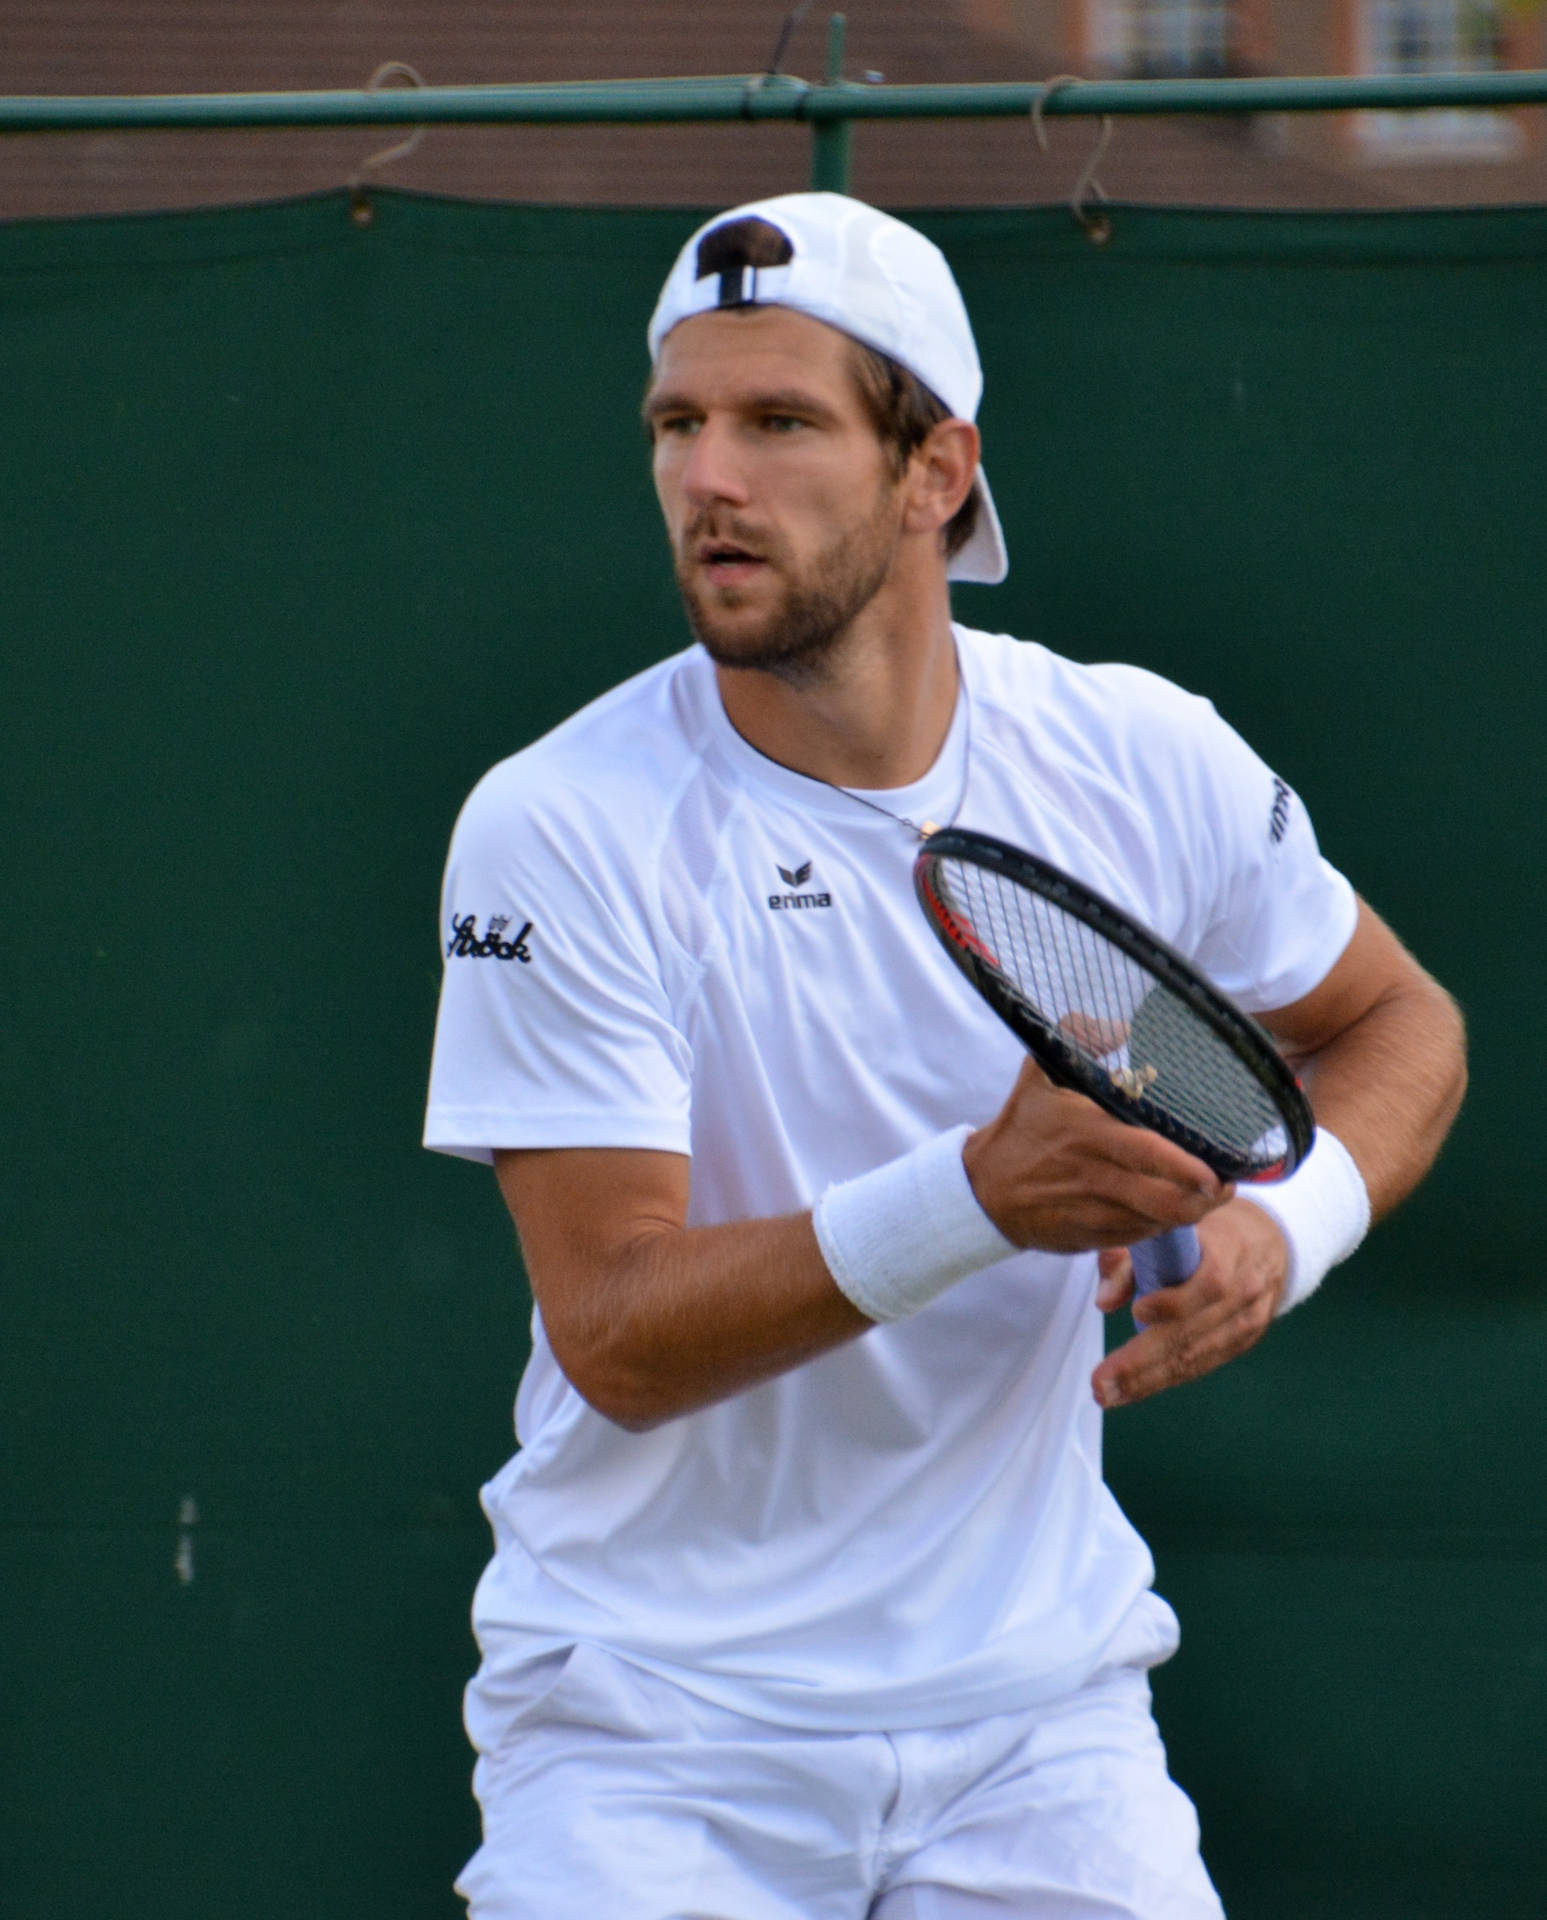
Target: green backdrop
[304, 525]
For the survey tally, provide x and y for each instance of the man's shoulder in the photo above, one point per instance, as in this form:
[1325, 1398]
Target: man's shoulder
[1095, 702]
[619, 758]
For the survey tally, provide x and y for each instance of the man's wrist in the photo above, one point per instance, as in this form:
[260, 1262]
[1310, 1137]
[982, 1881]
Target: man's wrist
[1322, 1210]
[898, 1237]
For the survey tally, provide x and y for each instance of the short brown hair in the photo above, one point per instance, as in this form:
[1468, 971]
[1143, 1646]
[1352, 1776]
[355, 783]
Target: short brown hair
[903, 411]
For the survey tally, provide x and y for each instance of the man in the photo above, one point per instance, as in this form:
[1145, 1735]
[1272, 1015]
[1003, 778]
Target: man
[808, 1599]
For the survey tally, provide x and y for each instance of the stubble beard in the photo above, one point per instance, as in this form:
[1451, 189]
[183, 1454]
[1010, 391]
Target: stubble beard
[802, 632]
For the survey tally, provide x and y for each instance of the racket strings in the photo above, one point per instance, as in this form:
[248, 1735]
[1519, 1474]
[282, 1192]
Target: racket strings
[1110, 1010]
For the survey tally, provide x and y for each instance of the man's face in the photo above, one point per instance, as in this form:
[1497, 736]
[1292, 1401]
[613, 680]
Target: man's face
[781, 507]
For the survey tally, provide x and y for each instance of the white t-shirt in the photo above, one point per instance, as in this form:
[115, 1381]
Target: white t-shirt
[658, 938]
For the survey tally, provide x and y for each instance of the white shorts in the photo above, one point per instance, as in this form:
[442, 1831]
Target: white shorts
[617, 1796]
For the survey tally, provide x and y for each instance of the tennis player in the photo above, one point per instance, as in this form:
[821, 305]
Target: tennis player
[808, 1601]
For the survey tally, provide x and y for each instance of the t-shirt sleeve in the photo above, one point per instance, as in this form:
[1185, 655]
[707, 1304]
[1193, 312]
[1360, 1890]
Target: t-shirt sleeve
[555, 1026]
[1278, 915]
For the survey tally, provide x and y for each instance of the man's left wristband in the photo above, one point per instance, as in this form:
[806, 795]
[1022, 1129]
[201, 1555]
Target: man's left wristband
[1322, 1210]
[898, 1237]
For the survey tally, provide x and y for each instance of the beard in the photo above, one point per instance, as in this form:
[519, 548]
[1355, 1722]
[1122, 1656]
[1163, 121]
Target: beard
[798, 636]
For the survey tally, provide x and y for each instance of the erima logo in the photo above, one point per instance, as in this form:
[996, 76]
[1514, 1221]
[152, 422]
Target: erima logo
[1278, 823]
[796, 877]
[466, 943]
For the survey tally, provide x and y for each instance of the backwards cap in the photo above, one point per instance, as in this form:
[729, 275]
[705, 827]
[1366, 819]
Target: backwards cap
[870, 276]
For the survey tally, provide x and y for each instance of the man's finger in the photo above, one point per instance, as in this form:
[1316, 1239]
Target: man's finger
[1135, 1149]
[1184, 1332]
[1115, 1287]
[1138, 1151]
[1153, 1202]
[1155, 1358]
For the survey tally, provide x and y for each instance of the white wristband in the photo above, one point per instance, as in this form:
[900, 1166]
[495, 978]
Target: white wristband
[1322, 1210]
[896, 1237]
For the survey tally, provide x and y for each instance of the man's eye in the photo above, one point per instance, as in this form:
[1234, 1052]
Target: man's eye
[675, 426]
[782, 422]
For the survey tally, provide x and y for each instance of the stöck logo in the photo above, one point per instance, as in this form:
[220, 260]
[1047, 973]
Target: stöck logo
[466, 943]
[1278, 824]
[795, 878]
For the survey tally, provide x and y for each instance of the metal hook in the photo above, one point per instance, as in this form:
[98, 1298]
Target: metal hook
[360, 209]
[782, 45]
[775, 67]
[1087, 189]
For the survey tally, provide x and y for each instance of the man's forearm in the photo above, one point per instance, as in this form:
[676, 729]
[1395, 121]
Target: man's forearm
[1381, 1048]
[650, 1319]
[1390, 1086]
[684, 1318]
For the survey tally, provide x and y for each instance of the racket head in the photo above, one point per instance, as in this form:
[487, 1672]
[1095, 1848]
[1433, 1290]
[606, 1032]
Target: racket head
[1111, 1011]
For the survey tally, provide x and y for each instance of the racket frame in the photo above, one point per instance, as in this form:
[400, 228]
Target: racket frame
[1064, 1063]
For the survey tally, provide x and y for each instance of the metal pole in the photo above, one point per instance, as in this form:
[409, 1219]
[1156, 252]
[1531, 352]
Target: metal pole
[831, 138]
[758, 97]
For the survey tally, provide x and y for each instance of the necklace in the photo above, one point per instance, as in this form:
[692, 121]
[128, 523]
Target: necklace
[920, 831]
[924, 830]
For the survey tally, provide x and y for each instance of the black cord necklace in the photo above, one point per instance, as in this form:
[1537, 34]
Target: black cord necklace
[919, 832]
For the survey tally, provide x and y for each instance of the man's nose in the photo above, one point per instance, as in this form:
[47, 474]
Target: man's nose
[714, 469]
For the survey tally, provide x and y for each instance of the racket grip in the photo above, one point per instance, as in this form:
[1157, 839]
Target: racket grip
[1164, 1261]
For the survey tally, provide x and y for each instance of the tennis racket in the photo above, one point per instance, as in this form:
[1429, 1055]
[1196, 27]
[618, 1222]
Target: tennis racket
[1114, 1013]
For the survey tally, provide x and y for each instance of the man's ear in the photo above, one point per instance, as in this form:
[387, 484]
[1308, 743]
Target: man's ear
[940, 475]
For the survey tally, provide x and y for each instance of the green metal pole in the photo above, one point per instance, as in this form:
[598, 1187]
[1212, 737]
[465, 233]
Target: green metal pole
[831, 138]
[758, 96]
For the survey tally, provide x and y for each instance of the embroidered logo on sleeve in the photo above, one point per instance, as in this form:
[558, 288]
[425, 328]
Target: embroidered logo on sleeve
[466, 943]
[1278, 823]
[796, 878]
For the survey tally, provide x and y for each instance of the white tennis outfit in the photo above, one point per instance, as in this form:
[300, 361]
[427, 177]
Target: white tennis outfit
[658, 938]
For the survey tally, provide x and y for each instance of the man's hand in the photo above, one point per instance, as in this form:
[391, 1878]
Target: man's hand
[1188, 1330]
[1051, 1170]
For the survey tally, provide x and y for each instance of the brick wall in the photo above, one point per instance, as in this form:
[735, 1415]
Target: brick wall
[90, 46]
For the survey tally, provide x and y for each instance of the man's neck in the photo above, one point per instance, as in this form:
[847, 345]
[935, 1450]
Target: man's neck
[878, 713]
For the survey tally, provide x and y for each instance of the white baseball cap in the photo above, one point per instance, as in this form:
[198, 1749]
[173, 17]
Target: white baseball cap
[872, 277]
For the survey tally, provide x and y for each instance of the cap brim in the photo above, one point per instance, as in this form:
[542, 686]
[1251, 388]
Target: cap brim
[983, 559]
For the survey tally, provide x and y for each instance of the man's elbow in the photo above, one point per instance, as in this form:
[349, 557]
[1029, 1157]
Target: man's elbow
[1462, 1073]
[1447, 1026]
[612, 1382]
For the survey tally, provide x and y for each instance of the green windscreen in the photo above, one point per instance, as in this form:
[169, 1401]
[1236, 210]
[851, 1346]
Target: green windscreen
[304, 525]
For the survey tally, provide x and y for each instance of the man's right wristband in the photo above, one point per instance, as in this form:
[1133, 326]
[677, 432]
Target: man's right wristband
[897, 1237]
